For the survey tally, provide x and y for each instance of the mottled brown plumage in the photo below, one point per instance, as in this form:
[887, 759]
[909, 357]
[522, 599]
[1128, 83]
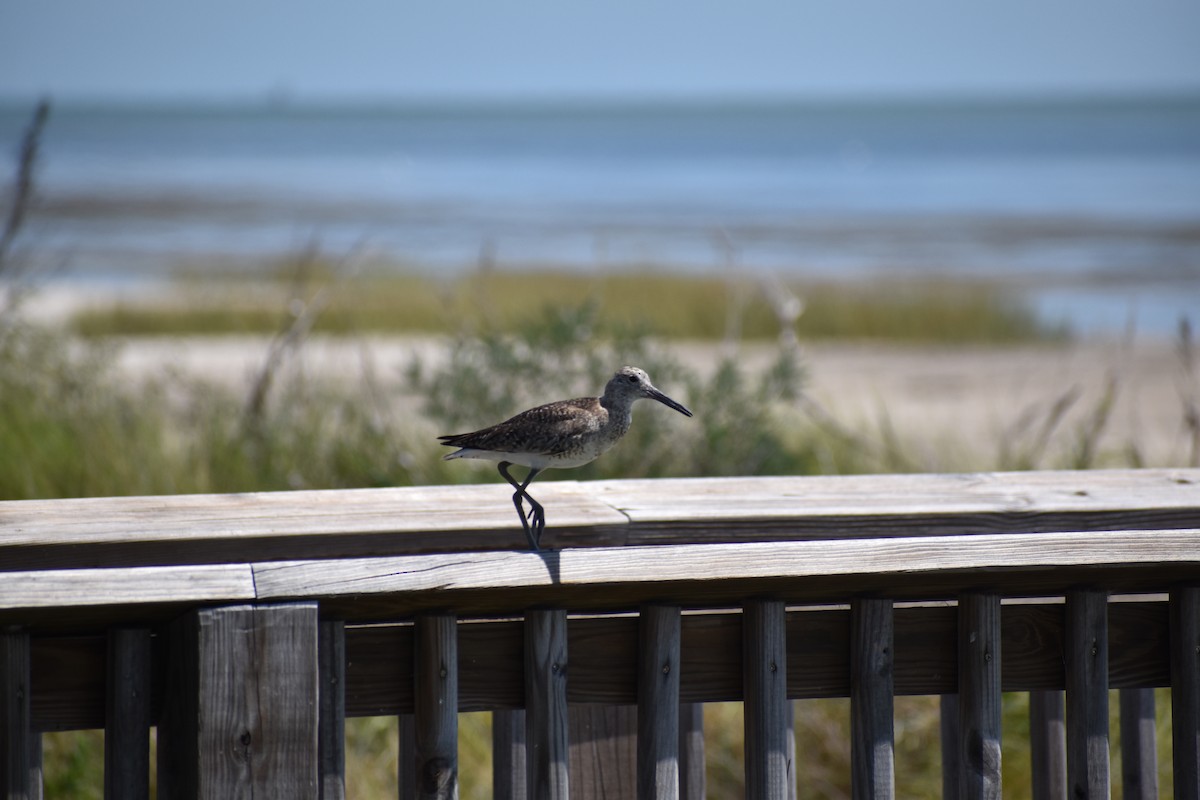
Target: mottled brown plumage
[564, 434]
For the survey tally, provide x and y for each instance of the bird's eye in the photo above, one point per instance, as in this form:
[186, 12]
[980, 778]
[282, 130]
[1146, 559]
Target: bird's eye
[633, 379]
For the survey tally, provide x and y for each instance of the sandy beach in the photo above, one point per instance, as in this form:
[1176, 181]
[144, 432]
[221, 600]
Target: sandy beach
[951, 407]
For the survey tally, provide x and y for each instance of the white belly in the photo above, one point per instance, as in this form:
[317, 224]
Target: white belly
[531, 460]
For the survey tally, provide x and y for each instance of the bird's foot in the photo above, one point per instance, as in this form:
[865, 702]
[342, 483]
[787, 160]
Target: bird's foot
[537, 519]
[525, 523]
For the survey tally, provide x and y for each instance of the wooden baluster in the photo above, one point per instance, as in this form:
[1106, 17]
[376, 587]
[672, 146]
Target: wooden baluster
[331, 737]
[769, 768]
[127, 715]
[1048, 745]
[406, 757]
[546, 741]
[658, 703]
[435, 706]
[1185, 691]
[692, 781]
[16, 735]
[1087, 694]
[872, 747]
[508, 755]
[1139, 748]
[240, 679]
[979, 707]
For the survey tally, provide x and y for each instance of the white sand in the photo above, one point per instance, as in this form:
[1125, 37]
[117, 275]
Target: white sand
[951, 407]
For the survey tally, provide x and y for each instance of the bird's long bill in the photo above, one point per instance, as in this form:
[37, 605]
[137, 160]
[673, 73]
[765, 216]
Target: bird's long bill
[669, 403]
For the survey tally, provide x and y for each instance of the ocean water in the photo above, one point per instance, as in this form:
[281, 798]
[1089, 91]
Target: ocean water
[1092, 208]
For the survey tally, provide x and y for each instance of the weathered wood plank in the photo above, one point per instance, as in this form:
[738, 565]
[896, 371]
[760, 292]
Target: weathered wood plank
[198, 529]
[1139, 746]
[240, 719]
[707, 575]
[1048, 745]
[508, 755]
[603, 752]
[726, 509]
[950, 734]
[1087, 694]
[16, 733]
[769, 769]
[79, 588]
[195, 529]
[692, 779]
[128, 716]
[659, 670]
[1185, 691]
[546, 724]
[37, 783]
[435, 693]
[331, 735]
[406, 758]
[68, 685]
[872, 742]
[979, 708]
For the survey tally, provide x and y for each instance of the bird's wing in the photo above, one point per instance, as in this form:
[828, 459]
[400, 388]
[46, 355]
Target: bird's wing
[538, 430]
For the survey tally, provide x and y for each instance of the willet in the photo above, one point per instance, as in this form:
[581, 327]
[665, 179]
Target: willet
[568, 433]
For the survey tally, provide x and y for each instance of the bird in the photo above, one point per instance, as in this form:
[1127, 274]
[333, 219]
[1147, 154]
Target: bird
[560, 435]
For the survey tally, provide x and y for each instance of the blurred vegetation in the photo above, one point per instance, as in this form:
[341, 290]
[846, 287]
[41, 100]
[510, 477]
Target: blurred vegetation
[660, 305]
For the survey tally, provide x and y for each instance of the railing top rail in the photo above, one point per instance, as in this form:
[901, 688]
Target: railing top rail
[386, 554]
[251, 528]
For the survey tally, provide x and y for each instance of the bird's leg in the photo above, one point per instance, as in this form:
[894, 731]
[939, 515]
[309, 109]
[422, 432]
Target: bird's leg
[537, 515]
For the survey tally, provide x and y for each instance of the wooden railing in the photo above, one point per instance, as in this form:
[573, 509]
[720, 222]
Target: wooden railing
[248, 627]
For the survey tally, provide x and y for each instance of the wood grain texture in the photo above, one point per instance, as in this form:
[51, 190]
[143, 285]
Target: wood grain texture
[508, 755]
[769, 768]
[406, 757]
[979, 707]
[712, 575]
[692, 780]
[75, 588]
[724, 509]
[1087, 694]
[659, 669]
[1185, 691]
[435, 716]
[16, 733]
[68, 684]
[197, 529]
[331, 735]
[949, 731]
[872, 739]
[603, 752]
[546, 724]
[129, 715]
[246, 528]
[1139, 746]
[242, 699]
[1048, 744]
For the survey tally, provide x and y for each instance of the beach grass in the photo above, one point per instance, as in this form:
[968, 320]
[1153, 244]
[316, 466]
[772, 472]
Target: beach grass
[655, 302]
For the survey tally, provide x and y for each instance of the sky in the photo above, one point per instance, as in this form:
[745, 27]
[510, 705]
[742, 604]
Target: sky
[580, 49]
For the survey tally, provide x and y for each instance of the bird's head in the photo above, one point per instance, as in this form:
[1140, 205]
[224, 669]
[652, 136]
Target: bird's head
[631, 383]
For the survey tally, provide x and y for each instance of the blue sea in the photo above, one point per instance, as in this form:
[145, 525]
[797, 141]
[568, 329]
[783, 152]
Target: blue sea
[1091, 209]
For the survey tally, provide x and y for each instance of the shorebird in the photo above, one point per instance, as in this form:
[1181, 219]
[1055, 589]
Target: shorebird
[564, 434]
